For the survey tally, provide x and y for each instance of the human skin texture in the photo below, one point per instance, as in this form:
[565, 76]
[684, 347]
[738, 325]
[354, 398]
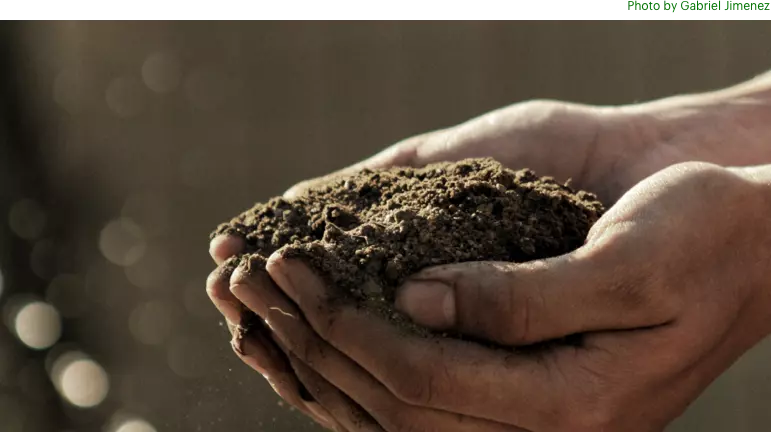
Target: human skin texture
[667, 292]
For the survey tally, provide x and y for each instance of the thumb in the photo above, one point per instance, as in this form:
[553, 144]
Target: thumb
[522, 304]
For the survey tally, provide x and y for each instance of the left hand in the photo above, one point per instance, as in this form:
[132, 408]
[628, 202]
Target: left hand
[669, 289]
[290, 378]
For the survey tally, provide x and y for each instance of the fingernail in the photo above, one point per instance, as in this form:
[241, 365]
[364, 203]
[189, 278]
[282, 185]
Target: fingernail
[428, 303]
[225, 245]
[276, 266]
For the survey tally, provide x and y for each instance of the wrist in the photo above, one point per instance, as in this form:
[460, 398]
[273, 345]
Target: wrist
[725, 127]
[750, 100]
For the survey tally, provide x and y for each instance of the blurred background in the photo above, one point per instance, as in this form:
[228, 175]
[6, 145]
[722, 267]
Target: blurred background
[122, 145]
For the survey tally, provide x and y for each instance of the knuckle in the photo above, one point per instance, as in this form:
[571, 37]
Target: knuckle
[308, 349]
[412, 390]
[518, 306]
[704, 177]
[541, 104]
[546, 111]
[327, 326]
[507, 310]
[515, 310]
[642, 288]
[698, 170]
[302, 343]
[419, 381]
[239, 277]
[519, 334]
[631, 291]
[325, 322]
[645, 292]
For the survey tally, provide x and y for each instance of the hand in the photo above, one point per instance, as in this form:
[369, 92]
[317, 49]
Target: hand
[668, 291]
[260, 352]
[550, 136]
[295, 382]
[596, 147]
[530, 131]
[606, 150]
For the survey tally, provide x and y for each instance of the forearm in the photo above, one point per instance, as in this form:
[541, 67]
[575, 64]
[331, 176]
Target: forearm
[729, 127]
[757, 89]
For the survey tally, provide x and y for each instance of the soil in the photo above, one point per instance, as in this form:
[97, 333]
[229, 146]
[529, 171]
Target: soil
[367, 233]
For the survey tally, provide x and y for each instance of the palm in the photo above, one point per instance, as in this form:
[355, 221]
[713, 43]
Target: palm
[594, 147]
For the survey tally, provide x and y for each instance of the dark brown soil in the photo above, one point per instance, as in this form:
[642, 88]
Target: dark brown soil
[366, 233]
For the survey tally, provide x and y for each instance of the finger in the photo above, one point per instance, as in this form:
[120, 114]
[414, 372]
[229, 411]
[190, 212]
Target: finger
[217, 287]
[405, 153]
[331, 424]
[258, 350]
[225, 246]
[446, 376]
[260, 294]
[520, 304]
[344, 411]
[264, 357]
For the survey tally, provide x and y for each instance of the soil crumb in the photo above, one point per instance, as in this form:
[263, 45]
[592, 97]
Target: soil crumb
[367, 233]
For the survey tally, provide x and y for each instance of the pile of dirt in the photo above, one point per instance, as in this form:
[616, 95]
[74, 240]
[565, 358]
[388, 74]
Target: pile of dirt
[367, 232]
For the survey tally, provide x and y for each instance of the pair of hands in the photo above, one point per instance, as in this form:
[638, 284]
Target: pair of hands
[666, 293]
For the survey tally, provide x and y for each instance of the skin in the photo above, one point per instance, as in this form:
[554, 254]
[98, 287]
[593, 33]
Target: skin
[667, 292]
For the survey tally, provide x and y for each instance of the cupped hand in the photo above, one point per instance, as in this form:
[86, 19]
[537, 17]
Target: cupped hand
[606, 150]
[259, 350]
[667, 292]
[599, 148]
[552, 137]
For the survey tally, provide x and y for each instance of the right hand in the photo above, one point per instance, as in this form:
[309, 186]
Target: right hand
[669, 290]
[602, 149]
